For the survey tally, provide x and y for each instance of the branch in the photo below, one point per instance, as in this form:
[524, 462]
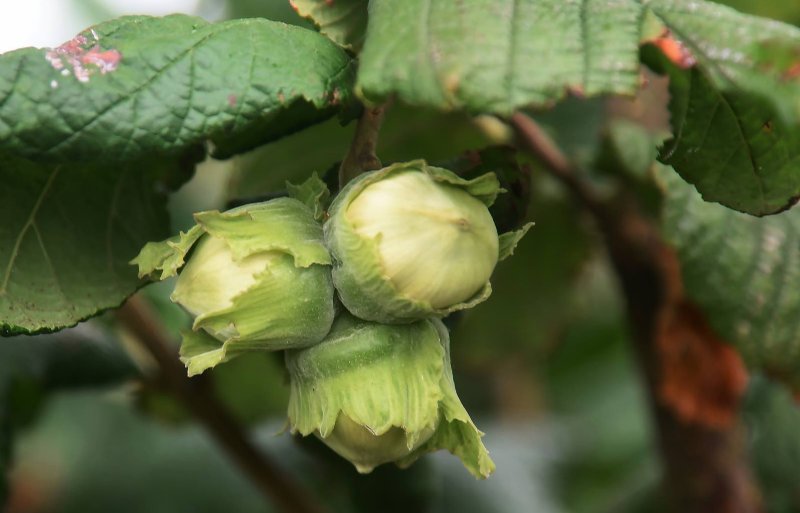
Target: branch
[703, 455]
[537, 142]
[361, 156]
[278, 488]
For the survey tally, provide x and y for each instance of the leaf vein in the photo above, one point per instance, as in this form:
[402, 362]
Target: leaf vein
[25, 227]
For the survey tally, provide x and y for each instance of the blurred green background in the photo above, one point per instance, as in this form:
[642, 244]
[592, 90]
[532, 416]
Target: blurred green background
[544, 366]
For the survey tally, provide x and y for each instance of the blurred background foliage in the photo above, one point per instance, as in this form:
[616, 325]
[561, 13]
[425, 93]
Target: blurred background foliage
[544, 366]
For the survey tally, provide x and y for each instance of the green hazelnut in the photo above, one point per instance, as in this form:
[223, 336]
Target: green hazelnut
[378, 393]
[259, 279]
[412, 241]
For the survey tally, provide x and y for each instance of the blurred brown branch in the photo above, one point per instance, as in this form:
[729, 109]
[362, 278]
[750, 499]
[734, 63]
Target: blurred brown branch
[277, 487]
[695, 381]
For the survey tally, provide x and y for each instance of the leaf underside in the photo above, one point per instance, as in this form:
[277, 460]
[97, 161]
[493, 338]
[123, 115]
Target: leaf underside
[490, 56]
[344, 21]
[68, 234]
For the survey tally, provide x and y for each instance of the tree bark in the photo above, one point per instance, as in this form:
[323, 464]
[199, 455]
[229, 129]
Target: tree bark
[694, 381]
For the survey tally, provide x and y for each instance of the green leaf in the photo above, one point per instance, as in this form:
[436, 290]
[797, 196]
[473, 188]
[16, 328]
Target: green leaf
[770, 411]
[29, 369]
[488, 56]
[344, 21]
[138, 85]
[735, 113]
[743, 272]
[509, 241]
[732, 147]
[498, 56]
[738, 52]
[67, 234]
[730, 141]
[166, 256]
[200, 352]
[313, 193]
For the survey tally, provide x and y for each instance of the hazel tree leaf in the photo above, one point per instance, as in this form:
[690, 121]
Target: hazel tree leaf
[67, 235]
[735, 100]
[733, 148]
[737, 52]
[509, 241]
[344, 21]
[140, 85]
[490, 56]
[497, 56]
[743, 272]
[166, 256]
[312, 193]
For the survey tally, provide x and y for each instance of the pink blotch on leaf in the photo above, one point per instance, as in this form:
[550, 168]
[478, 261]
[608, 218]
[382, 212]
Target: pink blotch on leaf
[83, 57]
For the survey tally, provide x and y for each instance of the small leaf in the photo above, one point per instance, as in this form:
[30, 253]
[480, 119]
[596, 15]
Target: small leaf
[344, 21]
[498, 56]
[138, 85]
[742, 272]
[313, 193]
[68, 233]
[166, 256]
[200, 352]
[509, 240]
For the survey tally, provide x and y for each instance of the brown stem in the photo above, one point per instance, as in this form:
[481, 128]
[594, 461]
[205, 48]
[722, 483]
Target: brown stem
[705, 464]
[278, 488]
[361, 156]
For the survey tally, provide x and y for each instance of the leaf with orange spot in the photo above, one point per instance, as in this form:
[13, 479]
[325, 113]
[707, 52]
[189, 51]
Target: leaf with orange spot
[674, 50]
[140, 86]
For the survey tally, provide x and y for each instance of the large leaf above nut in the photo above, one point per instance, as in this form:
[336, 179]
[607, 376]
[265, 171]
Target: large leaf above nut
[497, 56]
[140, 85]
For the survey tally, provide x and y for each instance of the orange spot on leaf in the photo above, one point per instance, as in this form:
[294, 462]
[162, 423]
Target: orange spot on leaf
[106, 61]
[83, 57]
[792, 73]
[674, 50]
